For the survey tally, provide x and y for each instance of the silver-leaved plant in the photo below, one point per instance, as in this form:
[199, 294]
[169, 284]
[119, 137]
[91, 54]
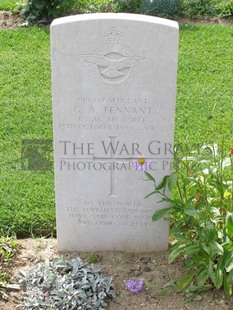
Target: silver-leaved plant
[66, 285]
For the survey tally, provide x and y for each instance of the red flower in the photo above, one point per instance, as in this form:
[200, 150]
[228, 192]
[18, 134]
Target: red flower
[232, 150]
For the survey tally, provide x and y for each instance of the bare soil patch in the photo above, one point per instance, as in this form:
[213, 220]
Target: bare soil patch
[9, 20]
[205, 21]
[152, 267]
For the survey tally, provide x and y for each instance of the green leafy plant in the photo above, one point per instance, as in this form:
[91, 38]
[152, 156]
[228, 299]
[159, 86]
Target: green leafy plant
[200, 8]
[162, 8]
[226, 9]
[8, 249]
[201, 214]
[43, 11]
[66, 284]
[93, 258]
[93, 6]
[129, 6]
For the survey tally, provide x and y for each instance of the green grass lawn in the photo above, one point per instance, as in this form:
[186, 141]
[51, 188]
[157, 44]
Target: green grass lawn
[204, 113]
[205, 92]
[26, 197]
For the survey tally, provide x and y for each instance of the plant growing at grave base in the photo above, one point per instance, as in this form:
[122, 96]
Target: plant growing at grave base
[8, 248]
[201, 215]
[66, 284]
[93, 258]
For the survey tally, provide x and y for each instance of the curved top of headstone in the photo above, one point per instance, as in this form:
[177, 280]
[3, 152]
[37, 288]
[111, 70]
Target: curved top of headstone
[115, 16]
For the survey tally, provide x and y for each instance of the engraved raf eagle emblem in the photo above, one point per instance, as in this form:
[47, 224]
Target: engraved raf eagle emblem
[112, 65]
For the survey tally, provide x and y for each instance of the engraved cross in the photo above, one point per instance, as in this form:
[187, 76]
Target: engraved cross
[112, 159]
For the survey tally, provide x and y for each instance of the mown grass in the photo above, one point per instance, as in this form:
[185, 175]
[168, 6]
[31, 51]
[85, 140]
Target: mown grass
[26, 197]
[204, 113]
[204, 93]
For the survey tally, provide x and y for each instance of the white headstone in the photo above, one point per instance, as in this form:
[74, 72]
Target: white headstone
[114, 93]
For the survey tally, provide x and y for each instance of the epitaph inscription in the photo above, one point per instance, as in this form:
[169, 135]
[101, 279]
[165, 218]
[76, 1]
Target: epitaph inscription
[106, 213]
[113, 109]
